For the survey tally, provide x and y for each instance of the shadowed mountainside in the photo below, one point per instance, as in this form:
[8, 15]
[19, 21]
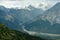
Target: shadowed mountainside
[8, 34]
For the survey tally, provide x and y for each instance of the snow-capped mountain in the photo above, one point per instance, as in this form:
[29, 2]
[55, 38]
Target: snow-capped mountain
[48, 22]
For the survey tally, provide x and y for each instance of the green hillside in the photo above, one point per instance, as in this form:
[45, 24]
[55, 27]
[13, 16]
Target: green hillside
[8, 34]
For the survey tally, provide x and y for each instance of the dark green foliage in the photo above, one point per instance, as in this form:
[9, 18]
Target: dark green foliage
[8, 34]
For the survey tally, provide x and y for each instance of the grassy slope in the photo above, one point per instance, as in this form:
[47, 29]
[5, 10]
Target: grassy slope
[8, 34]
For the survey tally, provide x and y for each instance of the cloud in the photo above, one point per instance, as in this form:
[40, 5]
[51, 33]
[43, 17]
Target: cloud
[53, 0]
[11, 0]
[24, 3]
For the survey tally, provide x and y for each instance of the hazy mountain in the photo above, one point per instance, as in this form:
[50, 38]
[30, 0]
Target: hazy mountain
[27, 14]
[48, 22]
[14, 18]
[53, 14]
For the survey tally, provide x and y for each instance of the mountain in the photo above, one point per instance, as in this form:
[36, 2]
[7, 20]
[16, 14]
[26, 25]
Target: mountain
[53, 14]
[24, 15]
[48, 22]
[14, 18]
[8, 34]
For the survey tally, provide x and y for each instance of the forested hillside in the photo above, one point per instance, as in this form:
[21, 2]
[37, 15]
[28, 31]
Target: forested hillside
[8, 34]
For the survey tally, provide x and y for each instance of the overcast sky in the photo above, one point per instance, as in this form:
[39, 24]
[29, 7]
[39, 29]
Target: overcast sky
[23, 3]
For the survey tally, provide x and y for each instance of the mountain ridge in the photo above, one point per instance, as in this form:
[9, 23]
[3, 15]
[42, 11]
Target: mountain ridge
[52, 14]
[48, 22]
[17, 17]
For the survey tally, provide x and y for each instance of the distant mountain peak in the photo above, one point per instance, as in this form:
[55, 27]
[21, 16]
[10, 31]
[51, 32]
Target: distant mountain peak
[53, 14]
[2, 7]
[58, 3]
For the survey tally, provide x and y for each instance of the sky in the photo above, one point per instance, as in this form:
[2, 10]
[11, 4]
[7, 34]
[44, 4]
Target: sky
[26, 3]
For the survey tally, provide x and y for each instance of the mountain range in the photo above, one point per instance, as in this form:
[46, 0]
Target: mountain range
[48, 22]
[32, 19]
[14, 18]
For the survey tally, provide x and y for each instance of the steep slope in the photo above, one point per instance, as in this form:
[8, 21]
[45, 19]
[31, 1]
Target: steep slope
[14, 18]
[48, 22]
[53, 14]
[24, 15]
[8, 34]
